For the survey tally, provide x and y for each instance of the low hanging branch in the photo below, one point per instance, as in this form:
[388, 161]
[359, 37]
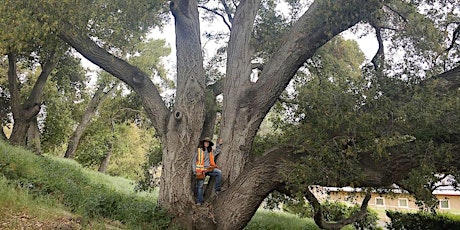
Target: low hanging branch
[323, 224]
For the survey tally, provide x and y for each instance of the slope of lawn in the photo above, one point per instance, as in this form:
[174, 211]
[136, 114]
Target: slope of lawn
[50, 187]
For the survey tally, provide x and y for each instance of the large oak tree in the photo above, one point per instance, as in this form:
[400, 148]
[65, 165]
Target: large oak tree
[247, 179]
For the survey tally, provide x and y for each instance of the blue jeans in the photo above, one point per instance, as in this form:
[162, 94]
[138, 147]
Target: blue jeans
[199, 184]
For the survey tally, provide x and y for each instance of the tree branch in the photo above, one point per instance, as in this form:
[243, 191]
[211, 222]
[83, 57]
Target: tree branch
[311, 31]
[323, 224]
[37, 91]
[13, 84]
[131, 75]
[455, 36]
[218, 14]
[449, 80]
[379, 57]
[239, 46]
[396, 12]
[228, 11]
[253, 185]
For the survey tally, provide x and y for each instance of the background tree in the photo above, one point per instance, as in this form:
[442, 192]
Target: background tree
[118, 138]
[246, 99]
[91, 110]
[27, 41]
[64, 99]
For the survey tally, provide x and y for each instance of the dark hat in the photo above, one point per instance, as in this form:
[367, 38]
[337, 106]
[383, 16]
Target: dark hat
[208, 140]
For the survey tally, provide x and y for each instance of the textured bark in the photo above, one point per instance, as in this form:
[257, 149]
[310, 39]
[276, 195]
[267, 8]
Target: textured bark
[33, 137]
[23, 114]
[98, 98]
[186, 123]
[236, 205]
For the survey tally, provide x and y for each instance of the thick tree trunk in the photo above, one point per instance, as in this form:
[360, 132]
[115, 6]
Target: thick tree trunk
[186, 123]
[98, 98]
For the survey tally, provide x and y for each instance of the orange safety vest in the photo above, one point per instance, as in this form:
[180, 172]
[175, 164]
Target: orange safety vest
[200, 161]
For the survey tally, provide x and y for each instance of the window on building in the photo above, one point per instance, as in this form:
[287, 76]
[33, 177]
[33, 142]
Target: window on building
[403, 203]
[444, 204]
[379, 201]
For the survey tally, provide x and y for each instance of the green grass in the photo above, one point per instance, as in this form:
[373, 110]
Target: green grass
[119, 184]
[15, 199]
[274, 220]
[89, 194]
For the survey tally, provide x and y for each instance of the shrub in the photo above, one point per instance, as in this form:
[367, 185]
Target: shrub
[335, 211]
[421, 221]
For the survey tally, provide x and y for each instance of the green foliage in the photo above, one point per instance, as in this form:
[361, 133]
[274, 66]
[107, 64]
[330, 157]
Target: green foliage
[422, 28]
[269, 27]
[63, 101]
[67, 182]
[116, 22]
[128, 143]
[335, 116]
[421, 221]
[132, 146]
[147, 56]
[148, 180]
[333, 211]
[22, 32]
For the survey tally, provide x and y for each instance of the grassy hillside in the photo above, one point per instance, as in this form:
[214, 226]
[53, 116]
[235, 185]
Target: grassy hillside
[43, 192]
[40, 190]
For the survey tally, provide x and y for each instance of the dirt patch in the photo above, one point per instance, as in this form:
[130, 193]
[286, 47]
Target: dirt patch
[26, 221]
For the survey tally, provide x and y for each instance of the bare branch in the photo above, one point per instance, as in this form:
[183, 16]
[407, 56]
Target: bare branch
[455, 36]
[217, 13]
[228, 11]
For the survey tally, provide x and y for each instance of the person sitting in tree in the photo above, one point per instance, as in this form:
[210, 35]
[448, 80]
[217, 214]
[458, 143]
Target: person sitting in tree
[204, 165]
